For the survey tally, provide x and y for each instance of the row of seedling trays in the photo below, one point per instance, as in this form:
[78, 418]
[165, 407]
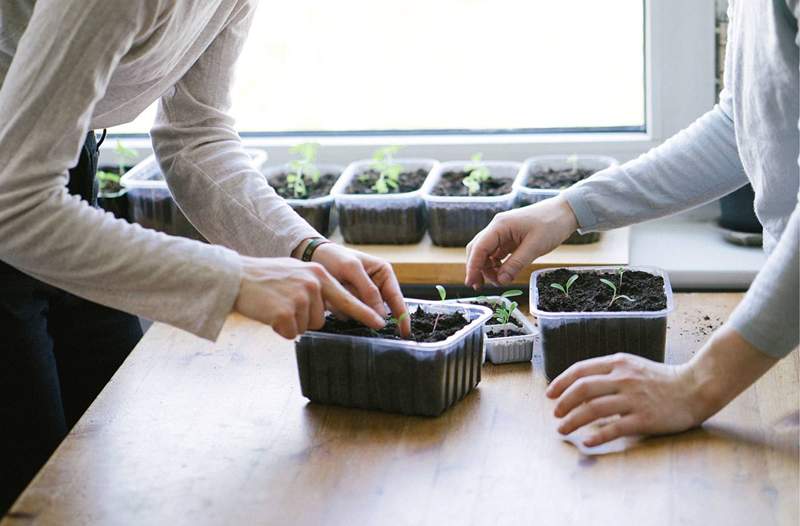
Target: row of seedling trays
[582, 313]
[386, 199]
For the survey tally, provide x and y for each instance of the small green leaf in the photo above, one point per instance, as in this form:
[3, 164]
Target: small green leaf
[625, 297]
[442, 292]
[512, 293]
[610, 284]
[572, 279]
[559, 286]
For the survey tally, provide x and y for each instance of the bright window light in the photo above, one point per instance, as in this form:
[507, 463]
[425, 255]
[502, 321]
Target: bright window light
[418, 65]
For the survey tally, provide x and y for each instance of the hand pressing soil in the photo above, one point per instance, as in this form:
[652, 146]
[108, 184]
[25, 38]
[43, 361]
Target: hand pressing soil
[407, 182]
[422, 324]
[589, 294]
[451, 184]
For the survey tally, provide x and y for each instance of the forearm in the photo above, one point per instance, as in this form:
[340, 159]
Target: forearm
[698, 165]
[725, 366]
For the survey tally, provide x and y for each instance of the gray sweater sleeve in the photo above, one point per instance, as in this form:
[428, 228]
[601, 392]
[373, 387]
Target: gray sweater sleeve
[208, 171]
[698, 165]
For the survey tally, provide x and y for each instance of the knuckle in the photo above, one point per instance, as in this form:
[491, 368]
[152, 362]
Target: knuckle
[317, 269]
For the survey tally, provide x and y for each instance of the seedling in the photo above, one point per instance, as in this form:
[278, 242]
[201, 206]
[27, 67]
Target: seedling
[565, 287]
[124, 157]
[502, 314]
[399, 319]
[303, 167]
[573, 161]
[443, 296]
[620, 272]
[388, 170]
[478, 173]
[613, 288]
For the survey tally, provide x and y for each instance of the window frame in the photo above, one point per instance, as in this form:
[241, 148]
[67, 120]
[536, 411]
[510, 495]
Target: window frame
[679, 83]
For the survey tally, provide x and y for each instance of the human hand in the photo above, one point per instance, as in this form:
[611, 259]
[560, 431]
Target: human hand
[371, 279]
[290, 296]
[525, 233]
[650, 397]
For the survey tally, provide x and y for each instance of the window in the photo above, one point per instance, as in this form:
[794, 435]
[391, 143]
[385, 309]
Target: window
[451, 65]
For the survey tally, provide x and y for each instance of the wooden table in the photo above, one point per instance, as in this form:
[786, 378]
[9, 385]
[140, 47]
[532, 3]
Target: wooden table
[190, 432]
[427, 264]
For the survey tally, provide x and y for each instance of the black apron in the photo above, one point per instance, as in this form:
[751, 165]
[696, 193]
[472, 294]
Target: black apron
[57, 352]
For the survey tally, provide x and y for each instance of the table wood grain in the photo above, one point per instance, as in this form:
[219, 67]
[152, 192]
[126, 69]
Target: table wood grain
[425, 263]
[190, 432]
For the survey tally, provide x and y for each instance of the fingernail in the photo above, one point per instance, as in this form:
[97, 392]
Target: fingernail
[590, 442]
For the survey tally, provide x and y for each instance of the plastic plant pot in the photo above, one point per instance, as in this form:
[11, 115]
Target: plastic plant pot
[395, 219]
[528, 195]
[505, 349]
[396, 376]
[116, 203]
[454, 220]
[151, 204]
[569, 337]
[317, 211]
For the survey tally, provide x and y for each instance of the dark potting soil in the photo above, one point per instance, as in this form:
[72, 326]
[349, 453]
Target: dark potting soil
[111, 187]
[491, 306]
[505, 333]
[451, 184]
[422, 324]
[589, 294]
[319, 189]
[408, 182]
[556, 179]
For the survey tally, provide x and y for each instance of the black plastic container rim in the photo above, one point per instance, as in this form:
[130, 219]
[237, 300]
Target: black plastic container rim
[484, 314]
[534, 295]
[436, 175]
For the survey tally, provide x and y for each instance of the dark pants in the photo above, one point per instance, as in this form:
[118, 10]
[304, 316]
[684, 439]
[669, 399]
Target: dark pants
[57, 352]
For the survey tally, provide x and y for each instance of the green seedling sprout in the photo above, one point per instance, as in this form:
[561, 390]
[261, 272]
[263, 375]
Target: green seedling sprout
[388, 170]
[613, 288]
[124, 156]
[399, 319]
[620, 272]
[478, 173]
[443, 296]
[303, 167]
[503, 314]
[565, 287]
[573, 161]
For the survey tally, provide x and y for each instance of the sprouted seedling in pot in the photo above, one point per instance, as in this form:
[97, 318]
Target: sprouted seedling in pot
[613, 288]
[478, 173]
[565, 287]
[398, 319]
[442, 296]
[503, 314]
[620, 272]
[303, 167]
[388, 170]
[124, 157]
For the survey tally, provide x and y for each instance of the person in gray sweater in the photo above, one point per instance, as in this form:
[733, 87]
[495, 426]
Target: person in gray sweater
[750, 136]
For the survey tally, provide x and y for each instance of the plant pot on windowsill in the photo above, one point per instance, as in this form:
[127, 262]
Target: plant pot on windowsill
[151, 203]
[454, 215]
[511, 342]
[349, 365]
[583, 323]
[545, 176]
[317, 206]
[111, 196]
[396, 217]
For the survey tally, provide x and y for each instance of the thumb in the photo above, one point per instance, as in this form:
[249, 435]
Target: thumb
[525, 253]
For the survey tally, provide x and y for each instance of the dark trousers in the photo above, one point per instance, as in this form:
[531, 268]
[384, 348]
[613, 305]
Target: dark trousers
[57, 352]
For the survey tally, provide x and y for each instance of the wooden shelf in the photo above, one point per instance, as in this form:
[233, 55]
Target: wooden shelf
[425, 263]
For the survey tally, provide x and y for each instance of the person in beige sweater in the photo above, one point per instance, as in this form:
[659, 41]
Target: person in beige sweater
[70, 273]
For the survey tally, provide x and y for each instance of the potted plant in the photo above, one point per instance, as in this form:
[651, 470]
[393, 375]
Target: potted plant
[380, 200]
[509, 333]
[586, 312]
[348, 364]
[546, 176]
[151, 203]
[464, 196]
[306, 186]
[111, 196]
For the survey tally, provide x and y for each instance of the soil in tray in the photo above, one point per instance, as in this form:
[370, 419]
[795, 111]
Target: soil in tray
[557, 179]
[506, 333]
[408, 182]
[422, 324]
[319, 189]
[451, 184]
[589, 294]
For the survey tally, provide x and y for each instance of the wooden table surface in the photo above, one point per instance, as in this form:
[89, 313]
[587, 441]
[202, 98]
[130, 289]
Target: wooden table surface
[190, 432]
[426, 264]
